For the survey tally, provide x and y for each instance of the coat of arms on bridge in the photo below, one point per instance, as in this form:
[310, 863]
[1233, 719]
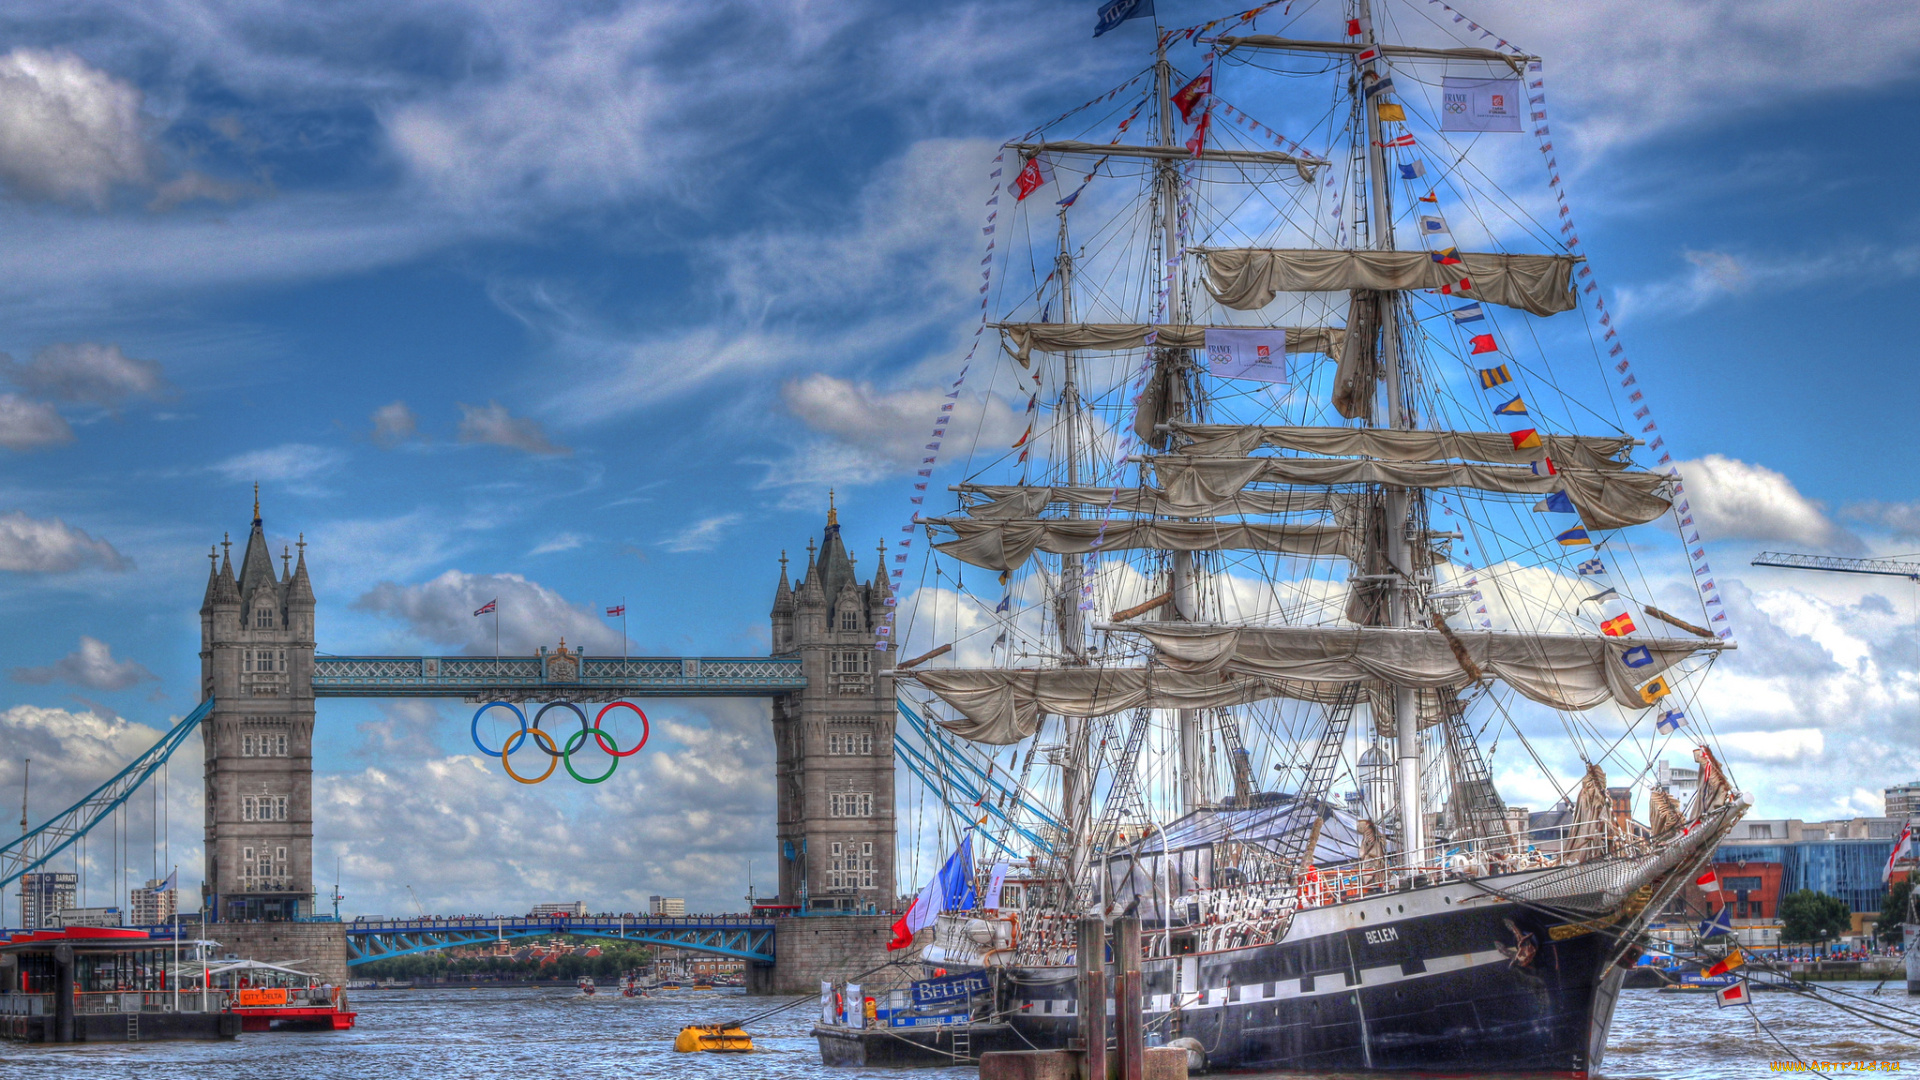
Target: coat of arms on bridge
[563, 665]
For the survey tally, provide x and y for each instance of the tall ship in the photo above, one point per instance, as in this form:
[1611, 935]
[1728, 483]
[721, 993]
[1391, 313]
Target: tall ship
[1329, 513]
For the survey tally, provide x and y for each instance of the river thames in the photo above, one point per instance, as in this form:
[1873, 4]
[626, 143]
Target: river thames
[556, 1034]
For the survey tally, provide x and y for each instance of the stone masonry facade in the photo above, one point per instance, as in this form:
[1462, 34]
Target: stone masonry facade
[834, 741]
[256, 661]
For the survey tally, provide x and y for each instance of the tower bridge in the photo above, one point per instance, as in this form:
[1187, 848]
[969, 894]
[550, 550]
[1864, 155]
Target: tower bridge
[829, 679]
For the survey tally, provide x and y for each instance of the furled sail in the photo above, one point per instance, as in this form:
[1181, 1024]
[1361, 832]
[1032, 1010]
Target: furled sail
[1249, 278]
[1589, 451]
[1060, 337]
[1020, 501]
[1003, 545]
[1563, 671]
[1003, 706]
[1605, 499]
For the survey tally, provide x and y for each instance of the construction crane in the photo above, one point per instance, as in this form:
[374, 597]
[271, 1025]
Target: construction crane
[1884, 567]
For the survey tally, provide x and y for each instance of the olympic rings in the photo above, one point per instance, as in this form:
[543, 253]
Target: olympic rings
[514, 742]
[577, 711]
[556, 753]
[580, 738]
[552, 763]
[645, 728]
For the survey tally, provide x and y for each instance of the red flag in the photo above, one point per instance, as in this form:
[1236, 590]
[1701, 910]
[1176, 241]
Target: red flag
[1032, 175]
[902, 937]
[1430, 197]
[1199, 141]
[1484, 343]
[1189, 96]
[1356, 27]
[1024, 436]
[1460, 286]
[1708, 882]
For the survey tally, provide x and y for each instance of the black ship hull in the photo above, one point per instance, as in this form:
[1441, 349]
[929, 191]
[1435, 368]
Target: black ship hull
[1447, 980]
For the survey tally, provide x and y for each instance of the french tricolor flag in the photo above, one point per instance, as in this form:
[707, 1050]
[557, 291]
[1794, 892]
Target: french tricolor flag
[1708, 882]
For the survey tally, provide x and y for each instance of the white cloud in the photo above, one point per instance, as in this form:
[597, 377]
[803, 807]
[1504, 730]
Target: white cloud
[433, 822]
[829, 296]
[530, 614]
[565, 541]
[702, 535]
[29, 425]
[1733, 498]
[91, 665]
[868, 433]
[493, 425]
[293, 465]
[1901, 519]
[1713, 275]
[1667, 63]
[68, 132]
[74, 753]
[51, 546]
[1789, 746]
[393, 424]
[85, 372]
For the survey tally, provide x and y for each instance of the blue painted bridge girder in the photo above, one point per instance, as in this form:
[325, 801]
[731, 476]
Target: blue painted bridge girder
[556, 677]
[738, 936]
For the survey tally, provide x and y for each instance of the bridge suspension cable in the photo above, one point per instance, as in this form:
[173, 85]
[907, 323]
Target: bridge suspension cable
[28, 853]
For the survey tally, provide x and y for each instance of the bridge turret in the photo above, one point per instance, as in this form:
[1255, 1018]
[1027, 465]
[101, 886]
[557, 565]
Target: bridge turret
[782, 614]
[879, 593]
[834, 741]
[300, 601]
[258, 667]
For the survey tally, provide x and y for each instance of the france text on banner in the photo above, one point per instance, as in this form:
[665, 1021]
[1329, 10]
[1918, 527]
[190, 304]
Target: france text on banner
[1247, 354]
[1480, 104]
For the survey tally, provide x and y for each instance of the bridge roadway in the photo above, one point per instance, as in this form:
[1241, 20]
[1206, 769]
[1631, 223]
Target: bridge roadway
[555, 677]
[743, 937]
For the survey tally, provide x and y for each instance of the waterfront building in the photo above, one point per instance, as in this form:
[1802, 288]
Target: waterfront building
[150, 905]
[89, 916]
[1679, 782]
[43, 896]
[670, 906]
[1765, 870]
[1903, 801]
[576, 909]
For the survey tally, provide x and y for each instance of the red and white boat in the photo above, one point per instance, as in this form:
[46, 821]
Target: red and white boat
[268, 997]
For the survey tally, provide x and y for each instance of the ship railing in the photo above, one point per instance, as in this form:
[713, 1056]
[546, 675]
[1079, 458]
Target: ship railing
[95, 1002]
[26, 1004]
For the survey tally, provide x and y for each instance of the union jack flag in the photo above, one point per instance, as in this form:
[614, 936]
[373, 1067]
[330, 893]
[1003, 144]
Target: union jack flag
[490, 605]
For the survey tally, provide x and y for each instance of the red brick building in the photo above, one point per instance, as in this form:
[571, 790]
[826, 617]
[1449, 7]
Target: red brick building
[1752, 889]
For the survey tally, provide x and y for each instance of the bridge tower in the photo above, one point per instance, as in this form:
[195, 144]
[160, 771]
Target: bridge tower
[834, 740]
[256, 660]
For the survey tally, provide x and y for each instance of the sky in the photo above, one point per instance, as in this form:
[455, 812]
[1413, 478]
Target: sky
[576, 304]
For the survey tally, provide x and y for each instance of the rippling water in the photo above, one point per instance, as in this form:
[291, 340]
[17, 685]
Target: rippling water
[555, 1034]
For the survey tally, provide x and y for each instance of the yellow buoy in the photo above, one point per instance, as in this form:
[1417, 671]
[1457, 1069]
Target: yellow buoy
[713, 1039]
